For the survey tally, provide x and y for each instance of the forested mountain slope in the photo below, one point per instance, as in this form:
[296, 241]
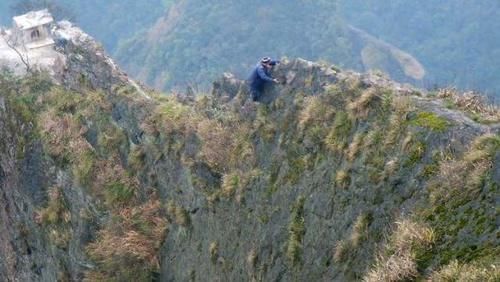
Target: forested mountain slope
[197, 40]
[458, 41]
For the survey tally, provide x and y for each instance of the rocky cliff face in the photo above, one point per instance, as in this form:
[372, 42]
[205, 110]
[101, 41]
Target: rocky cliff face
[334, 176]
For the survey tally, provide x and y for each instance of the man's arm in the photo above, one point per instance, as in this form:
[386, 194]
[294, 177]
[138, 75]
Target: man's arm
[262, 74]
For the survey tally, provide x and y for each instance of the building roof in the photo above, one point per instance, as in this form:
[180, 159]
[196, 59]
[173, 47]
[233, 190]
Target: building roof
[33, 19]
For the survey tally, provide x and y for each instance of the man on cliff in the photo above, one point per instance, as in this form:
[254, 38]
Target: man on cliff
[260, 76]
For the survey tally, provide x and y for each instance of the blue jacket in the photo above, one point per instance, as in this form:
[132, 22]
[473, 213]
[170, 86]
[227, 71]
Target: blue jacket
[260, 75]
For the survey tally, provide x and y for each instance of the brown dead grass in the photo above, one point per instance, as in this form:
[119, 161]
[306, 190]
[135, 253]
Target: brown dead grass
[472, 103]
[466, 174]
[217, 144]
[360, 108]
[341, 251]
[63, 135]
[459, 272]
[135, 237]
[355, 146]
[316, 111]
[397, 261]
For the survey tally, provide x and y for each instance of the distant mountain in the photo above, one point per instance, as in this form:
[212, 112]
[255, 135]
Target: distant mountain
[198, 40]
[458, 41]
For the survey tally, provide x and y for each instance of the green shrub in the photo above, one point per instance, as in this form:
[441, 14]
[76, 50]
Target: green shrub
[136, 159]
[415, 154]
[431, 121]
[57, 211]
[83, 167]
[118, 193]
[111, 139]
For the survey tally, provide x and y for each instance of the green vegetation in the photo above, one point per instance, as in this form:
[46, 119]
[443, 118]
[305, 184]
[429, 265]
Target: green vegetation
[415, 154]
[337, 139]
[296, 231]
[83, 168]
[179, 215]
[360, 229]
[56, 218]
[117, 193]
[56, 211]
[431, 121]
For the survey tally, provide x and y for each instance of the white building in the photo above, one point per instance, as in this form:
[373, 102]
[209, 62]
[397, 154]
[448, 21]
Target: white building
[32, 30]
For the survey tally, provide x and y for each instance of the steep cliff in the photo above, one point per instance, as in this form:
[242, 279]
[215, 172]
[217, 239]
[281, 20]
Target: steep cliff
[335, 176]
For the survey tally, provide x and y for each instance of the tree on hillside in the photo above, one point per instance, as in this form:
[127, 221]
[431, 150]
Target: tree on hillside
[58, 11]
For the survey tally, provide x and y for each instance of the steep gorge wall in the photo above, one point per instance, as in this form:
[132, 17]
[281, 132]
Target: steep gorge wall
[335, 176]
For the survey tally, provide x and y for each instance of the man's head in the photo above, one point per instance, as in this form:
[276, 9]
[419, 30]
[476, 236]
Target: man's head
[266, 62]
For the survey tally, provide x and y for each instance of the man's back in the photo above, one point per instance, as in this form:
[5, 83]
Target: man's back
[259, 75]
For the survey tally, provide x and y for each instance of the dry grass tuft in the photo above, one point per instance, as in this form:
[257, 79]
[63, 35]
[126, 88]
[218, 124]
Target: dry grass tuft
[179, 214]
[316, 111]
[373, 138]
[457, 176]
[234, 183]
[252, 258]
[114, 183]
[342, 178]
[398, 261]
[393, 268]
[395, 130]
[56, 211]
[360, 108]
[129, 247]
[472, 103]
[230, 182]
[408, 234]
[337, 138]
[217, 144]
[341, 251]
[63, 136]
[355, 146]
[402, 105]
[456, 271]
[390, 167]
[213, 251]
[360, 228]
